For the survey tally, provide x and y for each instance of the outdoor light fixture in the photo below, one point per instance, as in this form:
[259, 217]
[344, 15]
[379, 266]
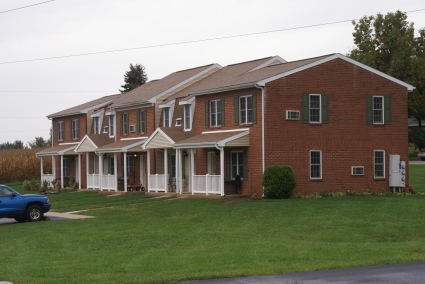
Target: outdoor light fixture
[184, 153]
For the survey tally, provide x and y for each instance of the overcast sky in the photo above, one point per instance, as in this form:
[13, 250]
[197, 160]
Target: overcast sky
[29, 91]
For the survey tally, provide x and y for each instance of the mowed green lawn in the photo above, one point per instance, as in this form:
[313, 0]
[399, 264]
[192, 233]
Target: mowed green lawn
[135, 239]
[417, 177]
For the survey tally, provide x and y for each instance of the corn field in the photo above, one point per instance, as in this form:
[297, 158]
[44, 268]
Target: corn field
[22, 164]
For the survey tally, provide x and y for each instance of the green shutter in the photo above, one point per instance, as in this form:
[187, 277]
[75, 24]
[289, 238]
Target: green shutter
[121, 124]
[236, 106]
[228, 169]
[207, 114]
[369, 110]
[325, 113]
[144, 130]
[245, 165]
[78, 129]
[222, 112]
[387, 110]
[138, 116]
[306, 108]
[254, 108]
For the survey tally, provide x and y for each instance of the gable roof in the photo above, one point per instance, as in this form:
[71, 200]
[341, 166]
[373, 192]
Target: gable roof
[85, 107]
[91, 142]
[128, 145]
[150, 91]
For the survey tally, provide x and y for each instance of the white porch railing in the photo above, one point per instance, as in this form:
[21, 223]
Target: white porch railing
[206, 184]
[156, 182]
[49, 178]
[93, 181]
[108, 182]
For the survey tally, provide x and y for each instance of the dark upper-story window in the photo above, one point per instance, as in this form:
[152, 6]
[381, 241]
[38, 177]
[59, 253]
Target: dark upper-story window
[245, 109]
[111, 125]
[96, 125]
[216, 112]
[141, 121]
[75, 129]
[166, 117]
[60, 131]
[187, 117]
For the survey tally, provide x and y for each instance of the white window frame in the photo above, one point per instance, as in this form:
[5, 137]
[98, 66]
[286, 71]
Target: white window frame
[355, 168]
[60, 131]
[378, 110]
[238, 164]
[178, 122]
[246, 110]
[112, 125]
[187, 117]
[106, 129]
[216, 115]
[125, 126]
[320, 164]
[142, 116]
[310, 108]
[167, 117]
[96, 125]
[375, 164]
[74, 129]
[292, 115]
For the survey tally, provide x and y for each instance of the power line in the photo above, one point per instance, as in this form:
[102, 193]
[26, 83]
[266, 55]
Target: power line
[28, 117]
[56, 92]
[185, 42]
[32, 130]
[26, 6]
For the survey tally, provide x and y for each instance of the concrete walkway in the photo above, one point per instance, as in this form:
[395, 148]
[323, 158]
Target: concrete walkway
[51, 216]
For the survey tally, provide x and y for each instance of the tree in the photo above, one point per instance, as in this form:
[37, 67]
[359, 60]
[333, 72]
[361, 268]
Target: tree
[38, 142]
[18, 144]
[388, 44]
[417, 138]
[134, 78]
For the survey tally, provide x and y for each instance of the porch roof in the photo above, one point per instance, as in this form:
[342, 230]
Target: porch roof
[127, 145]
[67, 149]
[166, 137]
[91, 142]
[227, 138]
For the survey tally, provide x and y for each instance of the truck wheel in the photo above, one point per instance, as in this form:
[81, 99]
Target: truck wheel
[34, 213]
[20, 219]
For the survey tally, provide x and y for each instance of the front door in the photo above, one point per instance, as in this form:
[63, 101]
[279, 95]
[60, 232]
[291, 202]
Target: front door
[211, 163]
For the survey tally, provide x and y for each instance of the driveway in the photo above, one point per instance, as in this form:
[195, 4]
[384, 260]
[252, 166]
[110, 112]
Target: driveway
[54, 216]
[409, 273]
[416, 162]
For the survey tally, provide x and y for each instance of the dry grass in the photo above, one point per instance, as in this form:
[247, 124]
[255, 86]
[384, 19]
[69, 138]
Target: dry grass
[22, 164]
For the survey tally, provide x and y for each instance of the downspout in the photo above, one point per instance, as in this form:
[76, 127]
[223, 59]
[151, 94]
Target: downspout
[262, 128]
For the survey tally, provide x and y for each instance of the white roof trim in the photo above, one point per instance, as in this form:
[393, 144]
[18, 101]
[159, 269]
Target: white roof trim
[332, 57]
[98, 114]
[82, 141]
[118, 149]
[222, 131]
[124, 149]
[267, 63]
[187, 102]
[158, 130]
[70, 143]
[110, 113]
[86, 110]
[222, 89]
[167, 104]
[61, 152]
[212, 67]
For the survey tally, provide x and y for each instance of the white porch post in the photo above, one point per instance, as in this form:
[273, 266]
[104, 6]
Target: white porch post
[62, 171]
[192, 169]
[79, 170]
[179, 171]
[166, 169]
[222, 171]
[148, 157]
[54, 167]
[87, 169]
[116, 171]
[125, 171]
[100, 170]
[41, 172]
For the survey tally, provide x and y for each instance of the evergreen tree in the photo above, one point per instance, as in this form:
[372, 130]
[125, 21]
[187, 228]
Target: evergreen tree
[134, 78]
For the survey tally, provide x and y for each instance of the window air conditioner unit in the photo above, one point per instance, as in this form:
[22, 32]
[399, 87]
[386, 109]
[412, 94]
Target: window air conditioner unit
[357, 171]
[292, 115]
[132, 128]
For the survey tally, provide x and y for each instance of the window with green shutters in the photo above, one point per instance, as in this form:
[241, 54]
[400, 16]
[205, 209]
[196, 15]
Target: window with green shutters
[315, 108]
[236, 164]
[245, 109]
[124, 123]
[214, 113]
[60, 131]
[378, 110]
[141, 121]
[75, 129]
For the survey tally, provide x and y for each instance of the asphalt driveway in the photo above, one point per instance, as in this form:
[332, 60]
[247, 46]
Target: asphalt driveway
[409, 273]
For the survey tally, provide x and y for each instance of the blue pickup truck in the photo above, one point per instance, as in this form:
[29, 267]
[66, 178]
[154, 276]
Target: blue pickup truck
[22, 207]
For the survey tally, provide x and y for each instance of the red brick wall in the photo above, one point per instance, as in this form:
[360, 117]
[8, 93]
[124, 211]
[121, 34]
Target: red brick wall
[346, 140]
[67, 128]
[132, 120]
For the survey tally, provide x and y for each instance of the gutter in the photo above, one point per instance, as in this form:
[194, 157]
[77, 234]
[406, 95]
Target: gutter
[222, 89]
[262, 127]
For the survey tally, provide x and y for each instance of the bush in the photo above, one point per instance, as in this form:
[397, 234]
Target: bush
[32, 185]
[278, 182]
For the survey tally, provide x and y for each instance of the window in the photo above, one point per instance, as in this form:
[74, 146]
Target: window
[245, 109]
[315, 164]
[172, 165]
[124, 123]
[378, 110]
[141, 128]
[216, 116]
[187, 125]
[96, 125]
[379, 163]
[130, 164]
[111, 125]
[60, 130]
[75, 129]
[167, 117]
[237, 164]
[65, 167]
[315, 108]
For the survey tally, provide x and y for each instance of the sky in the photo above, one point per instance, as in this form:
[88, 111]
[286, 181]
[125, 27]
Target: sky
[155, 31]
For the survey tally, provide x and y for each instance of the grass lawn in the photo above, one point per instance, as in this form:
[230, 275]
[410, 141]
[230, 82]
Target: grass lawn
[413, 156]
[417, 177]
[145, 240]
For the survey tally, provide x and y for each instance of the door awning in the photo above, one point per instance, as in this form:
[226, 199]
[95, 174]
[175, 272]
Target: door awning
[67, 149]
[208, 139]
